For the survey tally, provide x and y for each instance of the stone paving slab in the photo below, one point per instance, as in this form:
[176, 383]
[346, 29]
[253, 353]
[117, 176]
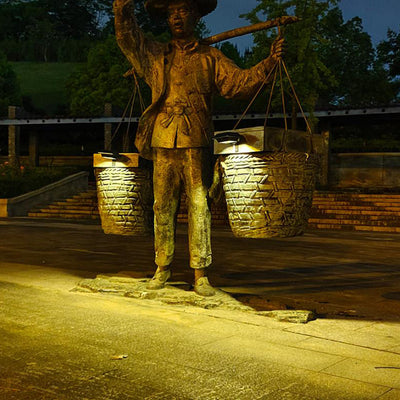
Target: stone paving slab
[60, 344]
[392, 394]
[375, 373]
[279, 353]
[350, 332]
[354, 351]
[354, 275]
[249, 329]
[322, 386]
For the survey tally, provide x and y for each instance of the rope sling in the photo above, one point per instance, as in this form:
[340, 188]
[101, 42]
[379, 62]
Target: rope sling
[136, 94]
[269, 194]
[124, 192]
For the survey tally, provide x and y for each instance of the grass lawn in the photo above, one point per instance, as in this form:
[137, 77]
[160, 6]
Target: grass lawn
[44, 83]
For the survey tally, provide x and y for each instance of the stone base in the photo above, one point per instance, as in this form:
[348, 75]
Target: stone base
[179, 294]
[294, 316]
[175, 293]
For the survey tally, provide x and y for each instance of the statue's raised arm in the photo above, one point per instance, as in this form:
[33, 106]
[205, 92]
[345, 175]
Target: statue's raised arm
[138, 49]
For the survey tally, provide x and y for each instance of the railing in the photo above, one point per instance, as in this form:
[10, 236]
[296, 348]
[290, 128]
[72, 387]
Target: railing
[15, 120]
[221, 117]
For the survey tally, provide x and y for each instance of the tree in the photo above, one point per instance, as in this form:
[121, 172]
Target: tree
[41, 30]
[157, 28]
[389, 59]
[9, 87]
[349, 53]
[100, 81]
[332, 61]
[308, 72]
[232, 52]
[54, 30]
[389, 52]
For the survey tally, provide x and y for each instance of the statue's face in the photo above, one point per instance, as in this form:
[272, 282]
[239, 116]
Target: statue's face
[182, 19]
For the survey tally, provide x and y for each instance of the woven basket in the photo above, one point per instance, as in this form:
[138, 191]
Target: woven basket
[125, 199]
[269, 194]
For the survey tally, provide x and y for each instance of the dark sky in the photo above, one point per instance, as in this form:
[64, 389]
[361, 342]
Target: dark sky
[377, 16]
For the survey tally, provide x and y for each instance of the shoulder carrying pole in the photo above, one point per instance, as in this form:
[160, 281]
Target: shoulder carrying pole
[281, 21]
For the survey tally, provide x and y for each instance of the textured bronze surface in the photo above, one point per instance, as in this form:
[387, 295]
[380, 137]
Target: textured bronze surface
[125, 200]
[269, 194]
[183, 76]
[176, 130]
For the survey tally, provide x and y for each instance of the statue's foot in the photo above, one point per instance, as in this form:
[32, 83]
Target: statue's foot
[159, 279]
[203, 288]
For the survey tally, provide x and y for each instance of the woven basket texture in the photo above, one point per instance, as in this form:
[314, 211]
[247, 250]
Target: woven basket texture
[125, 200]
[269, 194]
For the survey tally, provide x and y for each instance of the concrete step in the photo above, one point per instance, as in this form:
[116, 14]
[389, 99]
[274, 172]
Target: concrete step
[345, 211]
[69, 212]
[72, 206]
[88, 194]
[348, 211]
[370, 222]
[83, 200]
[357, 200]
[319, 195]
[364, 218]
[356, 203]
[61, 216]
[356, 211]
[355, 208]
[365, 228]
[81, 206]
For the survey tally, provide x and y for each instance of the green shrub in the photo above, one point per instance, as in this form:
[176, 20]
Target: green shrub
[9, 86]
[17, 181]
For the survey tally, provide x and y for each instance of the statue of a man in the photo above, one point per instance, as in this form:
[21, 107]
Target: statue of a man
[176, 130]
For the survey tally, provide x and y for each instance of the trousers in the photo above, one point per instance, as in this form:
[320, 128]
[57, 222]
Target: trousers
[174, 169]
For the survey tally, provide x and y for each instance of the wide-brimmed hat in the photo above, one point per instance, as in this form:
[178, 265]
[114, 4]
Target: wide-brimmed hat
[159, 8]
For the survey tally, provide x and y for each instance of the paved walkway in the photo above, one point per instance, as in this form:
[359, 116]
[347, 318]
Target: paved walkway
[350, 274]
[58, 344]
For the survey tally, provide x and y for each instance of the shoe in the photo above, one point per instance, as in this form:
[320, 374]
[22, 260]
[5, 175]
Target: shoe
[203, 288]
[159, 279]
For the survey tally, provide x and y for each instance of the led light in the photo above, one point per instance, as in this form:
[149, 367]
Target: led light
[110, 156]
[228, 137]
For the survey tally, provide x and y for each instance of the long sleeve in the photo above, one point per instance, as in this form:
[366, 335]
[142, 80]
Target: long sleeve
[234, 82]
[139, 50]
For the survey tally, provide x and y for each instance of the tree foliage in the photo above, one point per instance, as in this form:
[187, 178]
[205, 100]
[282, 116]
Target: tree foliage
[349, 53]
[100, 81]
[389, 59]
[9, 87]
[50, 30]
[332, 62]
[64, 31]
[308, 72]
[232, 52]
[389, 53]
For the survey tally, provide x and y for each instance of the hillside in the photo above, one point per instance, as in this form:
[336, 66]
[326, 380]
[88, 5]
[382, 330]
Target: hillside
[44, 84]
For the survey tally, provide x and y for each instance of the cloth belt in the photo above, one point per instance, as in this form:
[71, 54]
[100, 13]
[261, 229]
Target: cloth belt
[177, 111]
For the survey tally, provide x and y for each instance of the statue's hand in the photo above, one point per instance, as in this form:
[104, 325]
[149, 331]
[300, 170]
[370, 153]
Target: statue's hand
[278, 49]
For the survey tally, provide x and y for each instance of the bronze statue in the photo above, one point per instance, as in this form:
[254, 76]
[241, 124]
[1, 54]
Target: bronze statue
[176, 130]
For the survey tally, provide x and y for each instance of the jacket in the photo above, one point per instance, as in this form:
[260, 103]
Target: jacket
[207, 71]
